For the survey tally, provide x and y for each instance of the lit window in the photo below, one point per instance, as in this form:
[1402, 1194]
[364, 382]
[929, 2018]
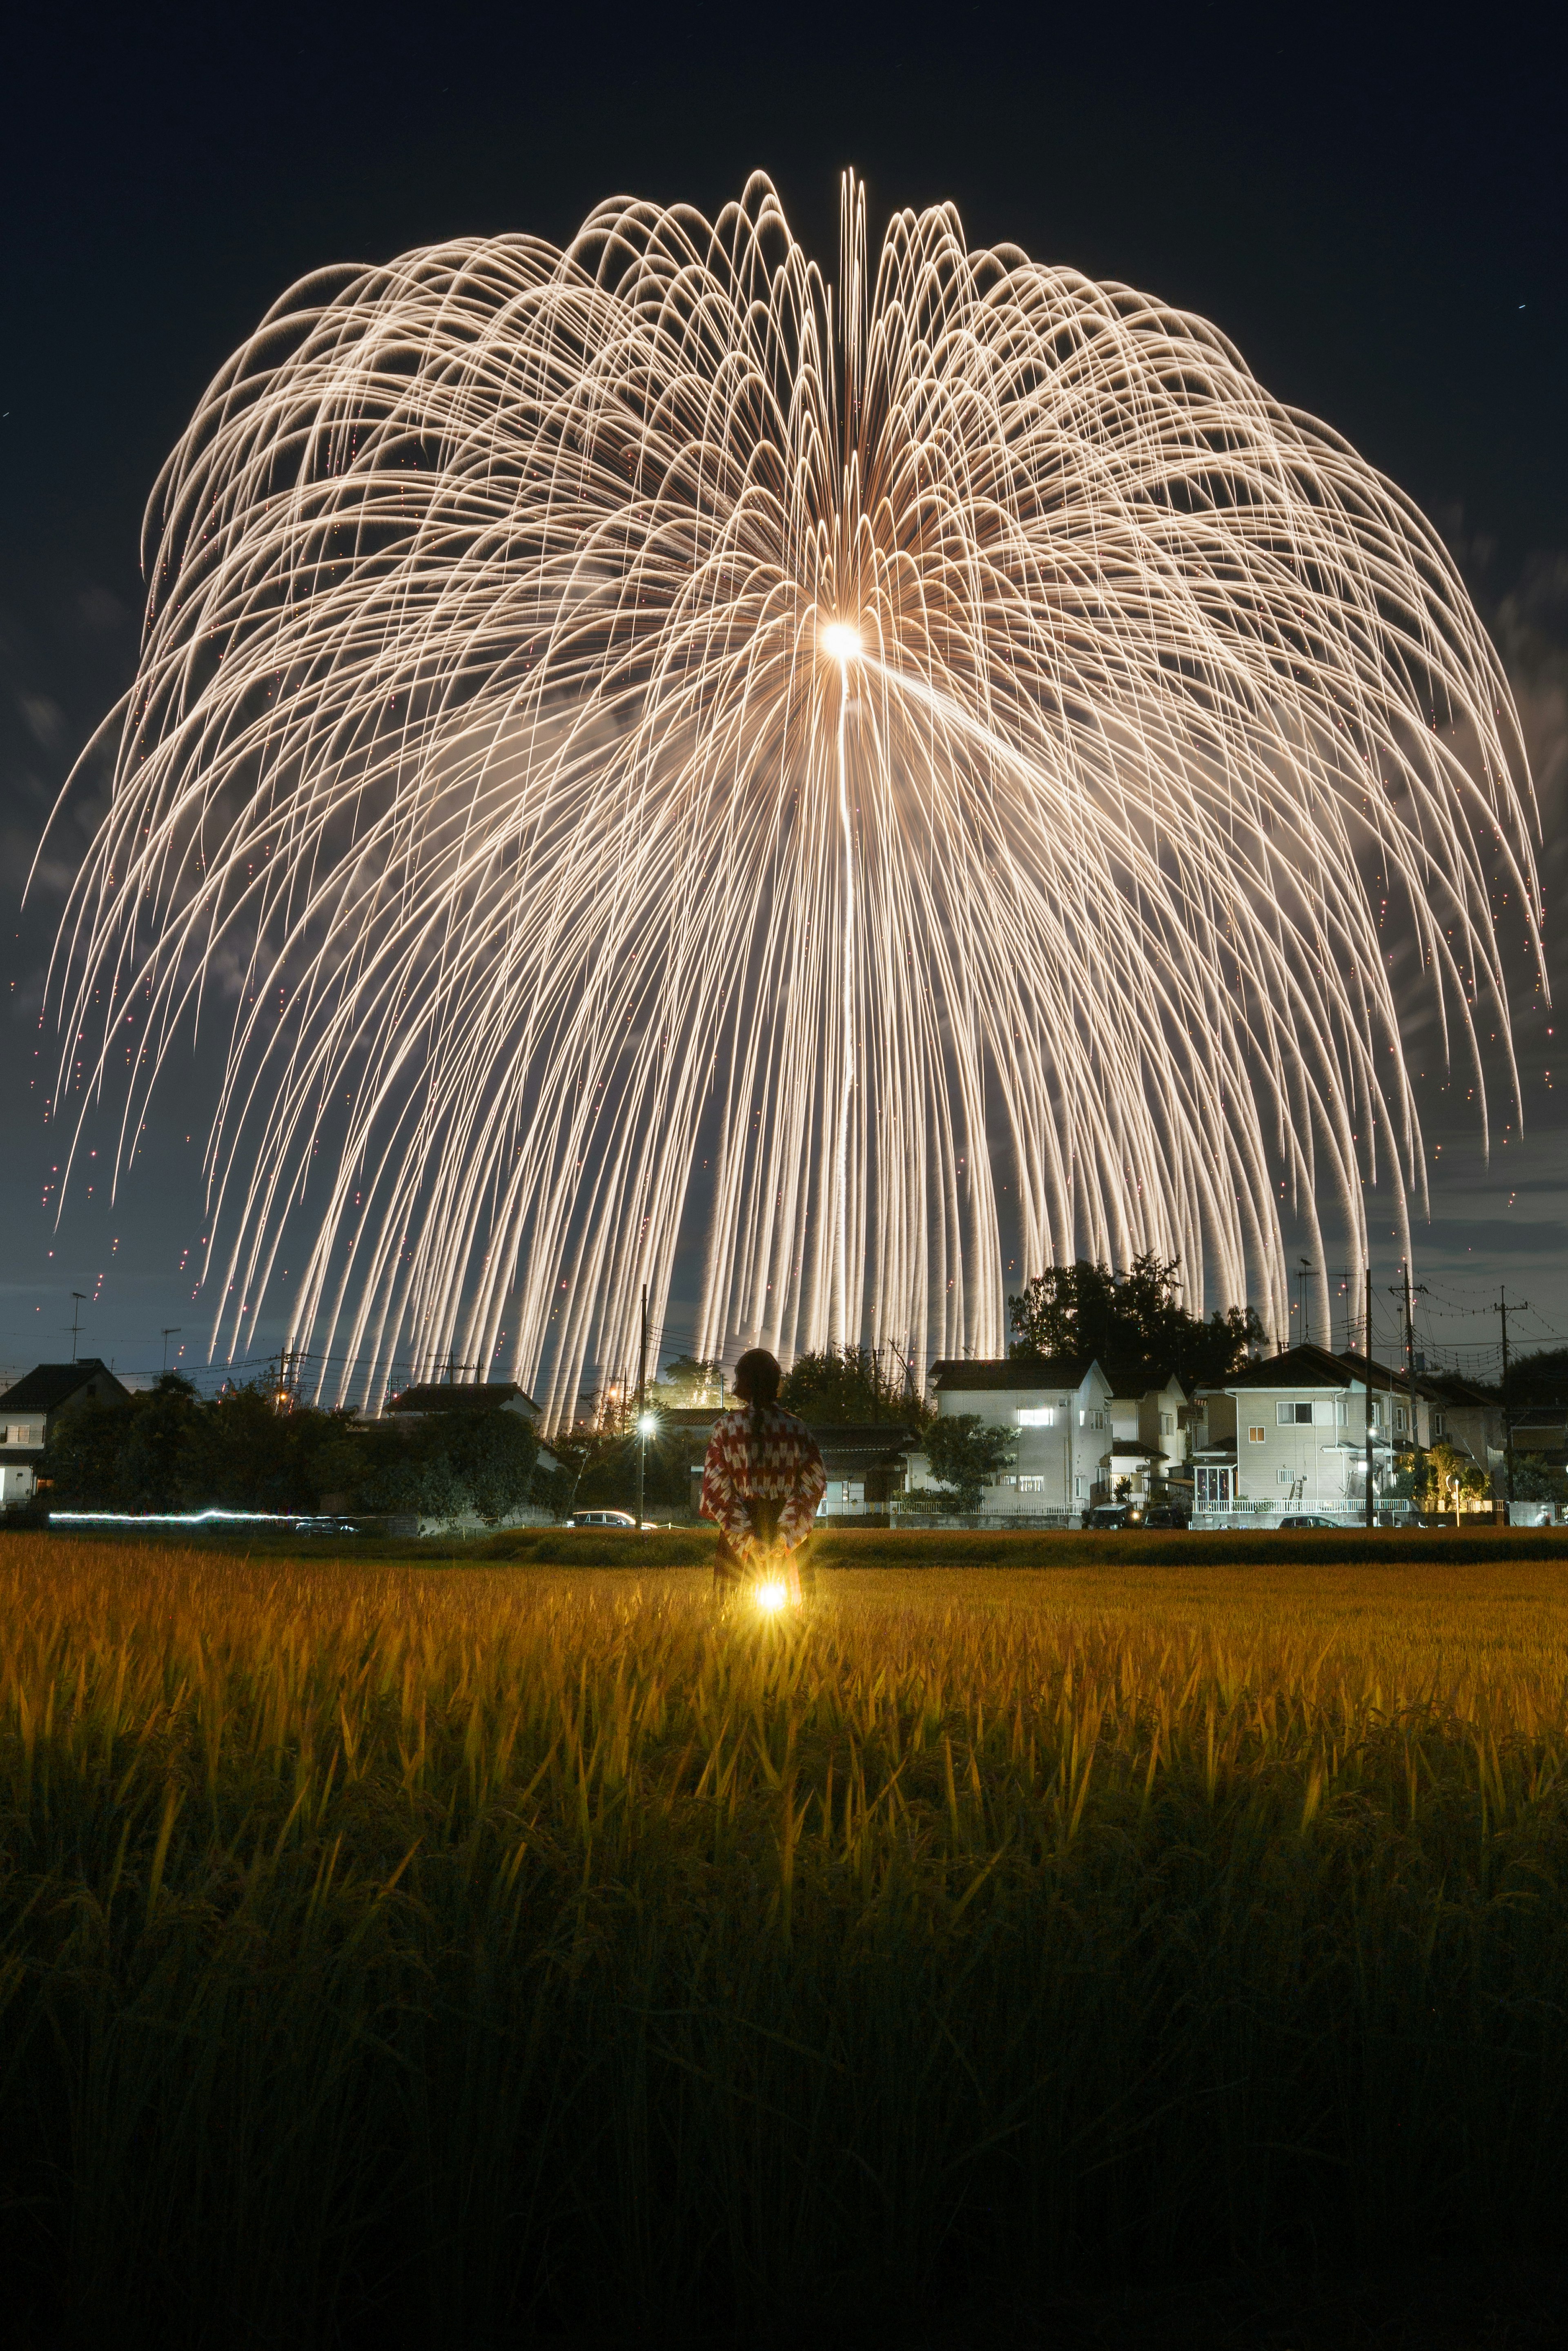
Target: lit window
[1042, 1415]
[1256, 1435]
[1032, 1484]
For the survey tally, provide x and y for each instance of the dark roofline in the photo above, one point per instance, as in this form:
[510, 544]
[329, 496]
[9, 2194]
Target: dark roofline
[983, 1371]
[1309, 1367]
[48, 1385]
[444, 1395]
[1141, 1379]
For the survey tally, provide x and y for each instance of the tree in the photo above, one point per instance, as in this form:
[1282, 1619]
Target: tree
[1130, 1315]
[966, 1454]
[240, 1453]
[1535, 1480]
[839, 1386]
[1452, 1478]
[690, 1381]
[449, 1462]
[129, 1455]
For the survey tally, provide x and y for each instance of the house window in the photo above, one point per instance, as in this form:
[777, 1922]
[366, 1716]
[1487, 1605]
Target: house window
[1295, 1416]
[1167, 1424]
[1078, 1490]
[1281, 1477]
[1042, 1415]
[1032, 1484]
[1256, 1434]
[1211, 1489]
[1377, 1412]
[1398, 1420]
[1439, 1424]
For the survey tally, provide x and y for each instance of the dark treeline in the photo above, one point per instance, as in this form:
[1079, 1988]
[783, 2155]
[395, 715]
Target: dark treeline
[171, 1449]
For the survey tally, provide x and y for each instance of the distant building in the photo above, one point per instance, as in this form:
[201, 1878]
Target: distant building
[432, 1399]
[1287, 1436]
[1082, 1432]
[428, 1396]
[35, 1405]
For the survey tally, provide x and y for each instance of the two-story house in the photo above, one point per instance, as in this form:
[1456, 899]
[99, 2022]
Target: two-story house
[1287, 1436]
[1060, 1412]
[33, 1406]
[1148, 1444]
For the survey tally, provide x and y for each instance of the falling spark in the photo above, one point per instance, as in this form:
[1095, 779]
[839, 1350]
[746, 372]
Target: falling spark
[640, 745]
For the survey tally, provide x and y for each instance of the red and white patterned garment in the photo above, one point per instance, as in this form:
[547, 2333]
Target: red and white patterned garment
[778, 1463]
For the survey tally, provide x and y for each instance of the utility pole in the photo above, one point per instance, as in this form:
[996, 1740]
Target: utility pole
[1410, 1356]
[81, 1297]
[1506, 1406]
[170, 1331]
[1306, 1336]
[1367, 1349]
[642, 1401]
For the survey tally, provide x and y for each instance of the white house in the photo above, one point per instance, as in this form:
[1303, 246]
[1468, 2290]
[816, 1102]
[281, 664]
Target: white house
[1286, 1436]
[33, 1406]
[1077, 1430]
[1149, 1436]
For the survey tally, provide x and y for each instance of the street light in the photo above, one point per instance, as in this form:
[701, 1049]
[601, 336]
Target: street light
[647, 1427]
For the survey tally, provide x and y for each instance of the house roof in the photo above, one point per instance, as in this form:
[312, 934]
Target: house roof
[876, 1440]
[1140, 1379]
[48, 1385]
[1309, 1367]
[1448, 1388]
[461, 1395]
[984, 1372]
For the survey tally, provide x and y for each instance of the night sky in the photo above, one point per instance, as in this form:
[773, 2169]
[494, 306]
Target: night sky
[1371, 204]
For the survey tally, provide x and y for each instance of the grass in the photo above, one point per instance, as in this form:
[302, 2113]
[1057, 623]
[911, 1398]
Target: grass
[394, 1951]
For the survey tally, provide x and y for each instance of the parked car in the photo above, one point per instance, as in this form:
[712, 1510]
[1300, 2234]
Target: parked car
[1178, 1520]
[602, 1519]
[1110, 1515]
[1303, 1518]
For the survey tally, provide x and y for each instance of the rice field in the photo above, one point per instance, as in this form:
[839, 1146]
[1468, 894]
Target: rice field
[459, 1952]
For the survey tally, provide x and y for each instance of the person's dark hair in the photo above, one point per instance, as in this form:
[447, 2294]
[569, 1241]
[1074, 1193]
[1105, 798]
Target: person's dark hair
[755, 1379]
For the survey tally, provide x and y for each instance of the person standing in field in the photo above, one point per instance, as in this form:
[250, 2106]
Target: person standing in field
[762, 1480]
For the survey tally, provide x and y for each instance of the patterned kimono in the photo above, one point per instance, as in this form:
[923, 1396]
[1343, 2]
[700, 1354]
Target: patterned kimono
[762, 1484]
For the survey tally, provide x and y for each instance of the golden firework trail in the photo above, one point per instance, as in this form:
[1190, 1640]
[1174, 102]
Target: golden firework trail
[901, 779]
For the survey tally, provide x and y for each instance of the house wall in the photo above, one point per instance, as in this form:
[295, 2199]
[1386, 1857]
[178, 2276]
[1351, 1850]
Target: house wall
[1058, 1461]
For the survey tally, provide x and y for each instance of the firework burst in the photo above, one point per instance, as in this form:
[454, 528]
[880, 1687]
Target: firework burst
[892, 780]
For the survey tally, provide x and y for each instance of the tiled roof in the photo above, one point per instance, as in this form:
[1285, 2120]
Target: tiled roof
[460, 1395]
[1138, 1379]
[987, 1372]
[48, 1385]
[1307, 1367]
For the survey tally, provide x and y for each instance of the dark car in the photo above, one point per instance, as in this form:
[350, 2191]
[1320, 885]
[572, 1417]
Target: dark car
[1171, 1520]
[1301, 1519]
[1110, 1515]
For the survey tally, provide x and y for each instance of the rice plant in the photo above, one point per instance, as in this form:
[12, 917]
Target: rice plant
[390, 1950]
